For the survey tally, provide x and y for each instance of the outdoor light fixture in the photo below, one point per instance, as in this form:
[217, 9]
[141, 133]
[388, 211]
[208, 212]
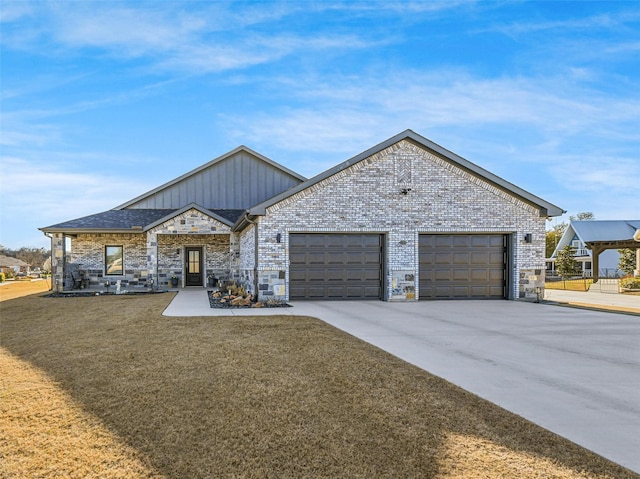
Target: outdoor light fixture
[528, 238]
[278, 238]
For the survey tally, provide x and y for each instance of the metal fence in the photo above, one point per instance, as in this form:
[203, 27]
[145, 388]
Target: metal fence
[609, 285]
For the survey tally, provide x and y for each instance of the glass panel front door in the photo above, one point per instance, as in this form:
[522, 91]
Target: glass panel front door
[193, 266]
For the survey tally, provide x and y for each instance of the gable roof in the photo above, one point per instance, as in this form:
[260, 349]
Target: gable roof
[598, 231]
[546, 208]
[227, 217]
[135, 220]
[607, 230]
[236, 180]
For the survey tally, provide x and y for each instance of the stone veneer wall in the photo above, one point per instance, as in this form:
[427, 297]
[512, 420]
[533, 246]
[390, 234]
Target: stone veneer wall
[171, 256]
[88, 251]
[247, 260]
[157, 254]
[367, 197]
[165, 246]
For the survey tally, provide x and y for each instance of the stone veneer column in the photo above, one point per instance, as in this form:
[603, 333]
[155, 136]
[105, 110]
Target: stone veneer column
[152, 258]
[58, 254]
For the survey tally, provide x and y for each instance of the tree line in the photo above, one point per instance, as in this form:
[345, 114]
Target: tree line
[34, 257]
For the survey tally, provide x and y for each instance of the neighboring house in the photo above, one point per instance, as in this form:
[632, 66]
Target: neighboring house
[596, 244]
[13, 264]
[404, 220]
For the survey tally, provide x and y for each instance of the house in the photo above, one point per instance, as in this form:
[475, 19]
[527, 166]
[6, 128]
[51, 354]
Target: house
[404, 220]
[596, 244]
[12, 265]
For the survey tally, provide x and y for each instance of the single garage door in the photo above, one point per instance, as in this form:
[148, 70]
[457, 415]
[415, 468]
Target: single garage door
[462, 266]
[335, 266]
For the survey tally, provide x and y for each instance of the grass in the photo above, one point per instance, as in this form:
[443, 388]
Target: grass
[570, 284]
[17, 289]
[107, 387]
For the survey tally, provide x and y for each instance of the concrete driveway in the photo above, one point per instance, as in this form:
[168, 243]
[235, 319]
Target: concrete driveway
[575, 372]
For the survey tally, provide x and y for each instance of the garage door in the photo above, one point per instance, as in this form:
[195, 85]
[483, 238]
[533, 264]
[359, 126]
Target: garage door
[335, 266]
[462, 266]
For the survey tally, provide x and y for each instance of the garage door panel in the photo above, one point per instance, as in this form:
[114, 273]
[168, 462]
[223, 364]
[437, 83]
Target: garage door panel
[461, 266]
[460, 258]
[496, 241]
[462, 241]
[442, 258]
[335, 266]
[461, 275]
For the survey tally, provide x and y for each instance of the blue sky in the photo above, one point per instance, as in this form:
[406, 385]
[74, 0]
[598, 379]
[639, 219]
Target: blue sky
[102, 101]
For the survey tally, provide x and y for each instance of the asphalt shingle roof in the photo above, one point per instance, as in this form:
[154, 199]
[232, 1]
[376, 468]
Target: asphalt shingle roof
[129, 219]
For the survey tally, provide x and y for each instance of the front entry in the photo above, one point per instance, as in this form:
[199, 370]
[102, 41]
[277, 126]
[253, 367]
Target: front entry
[193, 267]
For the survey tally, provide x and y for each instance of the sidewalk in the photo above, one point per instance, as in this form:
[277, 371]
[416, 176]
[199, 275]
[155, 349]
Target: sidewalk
[595, 299]
[195, 302]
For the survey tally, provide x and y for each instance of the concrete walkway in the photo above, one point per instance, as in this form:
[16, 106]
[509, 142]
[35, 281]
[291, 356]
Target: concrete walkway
[575, 372]
[595, 299]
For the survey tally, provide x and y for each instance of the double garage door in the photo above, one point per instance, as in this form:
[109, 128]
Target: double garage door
[350, 266]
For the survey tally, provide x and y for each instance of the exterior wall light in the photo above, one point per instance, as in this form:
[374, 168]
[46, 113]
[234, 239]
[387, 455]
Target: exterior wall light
[278, 238]
[528, 238]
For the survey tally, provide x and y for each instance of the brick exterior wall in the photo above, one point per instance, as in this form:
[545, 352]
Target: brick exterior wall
[367, 197]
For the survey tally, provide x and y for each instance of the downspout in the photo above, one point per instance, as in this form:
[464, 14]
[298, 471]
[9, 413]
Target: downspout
[255, 250]
[51, 261]
[636, 237]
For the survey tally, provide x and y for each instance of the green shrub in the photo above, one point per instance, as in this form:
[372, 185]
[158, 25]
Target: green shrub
[630, 283]
[1, 277]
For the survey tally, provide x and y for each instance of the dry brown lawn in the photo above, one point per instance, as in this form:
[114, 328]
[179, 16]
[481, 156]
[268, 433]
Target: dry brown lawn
[107, 387]
[570, 284]
[17, 289]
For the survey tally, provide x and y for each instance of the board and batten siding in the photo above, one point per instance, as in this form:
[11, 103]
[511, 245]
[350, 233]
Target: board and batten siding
[237, 182]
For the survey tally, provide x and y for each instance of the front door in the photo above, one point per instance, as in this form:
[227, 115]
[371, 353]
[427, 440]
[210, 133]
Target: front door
[193, 266]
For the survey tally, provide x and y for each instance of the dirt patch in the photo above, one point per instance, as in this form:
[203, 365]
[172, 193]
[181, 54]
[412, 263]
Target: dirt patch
[277, 396]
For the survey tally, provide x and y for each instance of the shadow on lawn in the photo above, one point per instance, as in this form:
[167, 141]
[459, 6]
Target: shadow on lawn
[273, 397]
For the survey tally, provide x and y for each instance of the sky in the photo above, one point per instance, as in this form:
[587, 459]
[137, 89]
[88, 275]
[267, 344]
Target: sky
[103, 101]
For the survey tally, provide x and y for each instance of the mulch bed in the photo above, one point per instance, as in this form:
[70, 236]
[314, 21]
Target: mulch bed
[218, 303]
[84, 294]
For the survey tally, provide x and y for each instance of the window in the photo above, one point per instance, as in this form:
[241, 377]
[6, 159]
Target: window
[113, 264]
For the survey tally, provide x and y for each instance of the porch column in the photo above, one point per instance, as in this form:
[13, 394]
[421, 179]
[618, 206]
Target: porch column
[152, 258]
[595, 260]
[637, 270]
[58, 255]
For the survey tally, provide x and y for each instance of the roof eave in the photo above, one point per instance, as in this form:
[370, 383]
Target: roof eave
[137, 229]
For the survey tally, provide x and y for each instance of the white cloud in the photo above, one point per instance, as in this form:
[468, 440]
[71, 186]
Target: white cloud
[327, 110]
[37, 195]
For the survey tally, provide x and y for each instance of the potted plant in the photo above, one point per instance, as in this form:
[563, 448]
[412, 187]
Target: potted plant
[174, 281]
[212, 280]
